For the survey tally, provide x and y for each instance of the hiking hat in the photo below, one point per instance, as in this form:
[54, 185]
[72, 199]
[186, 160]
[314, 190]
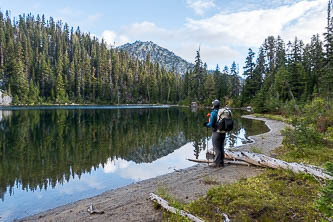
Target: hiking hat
[216, 103]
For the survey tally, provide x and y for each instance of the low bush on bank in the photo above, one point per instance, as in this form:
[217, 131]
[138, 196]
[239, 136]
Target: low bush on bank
[273, 117]
[325, 202]
[275, 195]
[310, 140]
[319, 155]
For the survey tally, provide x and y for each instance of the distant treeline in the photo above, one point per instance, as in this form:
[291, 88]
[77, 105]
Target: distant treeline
[290, 73]
[43, 61]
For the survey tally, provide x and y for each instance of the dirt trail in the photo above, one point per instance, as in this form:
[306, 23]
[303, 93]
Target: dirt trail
[130, 203]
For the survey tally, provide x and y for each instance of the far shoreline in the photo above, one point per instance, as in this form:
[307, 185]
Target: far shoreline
[79, 106]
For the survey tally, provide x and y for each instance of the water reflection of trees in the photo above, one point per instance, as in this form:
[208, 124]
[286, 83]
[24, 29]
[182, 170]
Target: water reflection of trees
[42, 148]
[199, 145]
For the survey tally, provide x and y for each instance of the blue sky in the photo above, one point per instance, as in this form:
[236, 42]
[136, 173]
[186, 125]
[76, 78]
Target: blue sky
[224, 29]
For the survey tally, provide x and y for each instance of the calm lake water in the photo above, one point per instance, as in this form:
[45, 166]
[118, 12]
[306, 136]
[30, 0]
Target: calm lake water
[51, 156]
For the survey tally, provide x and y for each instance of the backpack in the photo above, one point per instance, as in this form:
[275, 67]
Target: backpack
[224, 120]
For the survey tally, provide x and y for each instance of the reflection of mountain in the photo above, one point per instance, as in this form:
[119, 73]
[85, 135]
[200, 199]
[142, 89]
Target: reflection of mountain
[170, 144]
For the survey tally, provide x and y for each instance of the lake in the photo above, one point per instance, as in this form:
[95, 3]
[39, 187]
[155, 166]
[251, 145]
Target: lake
[51, 156]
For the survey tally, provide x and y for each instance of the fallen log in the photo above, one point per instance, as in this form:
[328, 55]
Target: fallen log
[266, 161]
[225, 162]
[163, 203]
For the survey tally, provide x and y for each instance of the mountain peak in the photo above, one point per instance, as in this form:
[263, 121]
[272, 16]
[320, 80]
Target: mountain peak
[163, 56]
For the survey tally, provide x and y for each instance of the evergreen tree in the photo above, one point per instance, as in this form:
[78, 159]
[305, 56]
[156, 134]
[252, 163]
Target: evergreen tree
[327, 77]
[235, 82]
[250, 87]
[198, 78]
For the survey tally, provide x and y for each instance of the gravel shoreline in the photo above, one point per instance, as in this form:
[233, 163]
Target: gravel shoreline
[130, 203]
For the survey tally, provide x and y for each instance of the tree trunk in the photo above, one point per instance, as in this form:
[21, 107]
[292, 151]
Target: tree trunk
[168, 94]
[148, 93]
[166, 206]
[266, 161]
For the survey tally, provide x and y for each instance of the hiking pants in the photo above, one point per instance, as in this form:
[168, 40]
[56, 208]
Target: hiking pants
[218, 144]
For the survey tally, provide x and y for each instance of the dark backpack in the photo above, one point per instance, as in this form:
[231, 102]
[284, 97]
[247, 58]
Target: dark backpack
[225, 124]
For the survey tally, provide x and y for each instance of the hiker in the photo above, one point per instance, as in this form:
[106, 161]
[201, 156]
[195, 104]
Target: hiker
[217, 136]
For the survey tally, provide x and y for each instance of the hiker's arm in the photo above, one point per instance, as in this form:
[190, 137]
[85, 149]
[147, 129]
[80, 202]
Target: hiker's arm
[211, 120]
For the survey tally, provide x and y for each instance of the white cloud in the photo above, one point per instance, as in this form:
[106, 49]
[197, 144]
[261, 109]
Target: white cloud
[113, 38]
[225, 37]
[311, 23]
[145, 30]
[250, 28]
[200, 6]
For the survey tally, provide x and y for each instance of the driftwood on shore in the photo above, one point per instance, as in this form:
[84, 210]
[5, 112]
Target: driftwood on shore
[266, 161]
[163, 203]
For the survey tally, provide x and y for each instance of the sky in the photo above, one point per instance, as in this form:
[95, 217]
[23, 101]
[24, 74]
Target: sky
[223, 29]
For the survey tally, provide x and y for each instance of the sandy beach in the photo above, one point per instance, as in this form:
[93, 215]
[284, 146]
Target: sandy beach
[130, 203]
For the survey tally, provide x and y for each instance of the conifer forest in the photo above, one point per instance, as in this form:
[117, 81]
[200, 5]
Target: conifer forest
[47, 62]
[82, 117]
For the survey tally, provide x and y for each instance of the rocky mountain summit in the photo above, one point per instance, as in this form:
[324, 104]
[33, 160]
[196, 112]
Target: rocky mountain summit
[158, 54]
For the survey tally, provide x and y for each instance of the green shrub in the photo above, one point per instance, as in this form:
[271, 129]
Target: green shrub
[302, 135]
[289, 108]
[186, 102]
[260, 198]
[272, 105]
[258, 103]
[325, 203]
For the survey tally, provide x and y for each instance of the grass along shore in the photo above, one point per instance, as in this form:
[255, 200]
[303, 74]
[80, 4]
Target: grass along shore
[277, 195]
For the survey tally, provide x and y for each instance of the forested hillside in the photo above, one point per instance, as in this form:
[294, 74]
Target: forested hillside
[47, 62]
[43, 61]
[285, 74]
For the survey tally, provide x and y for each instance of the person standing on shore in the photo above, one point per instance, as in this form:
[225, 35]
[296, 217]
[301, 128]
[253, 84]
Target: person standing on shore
[218, 137]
